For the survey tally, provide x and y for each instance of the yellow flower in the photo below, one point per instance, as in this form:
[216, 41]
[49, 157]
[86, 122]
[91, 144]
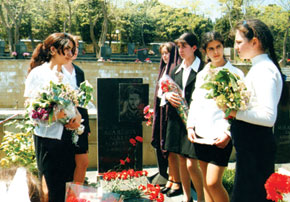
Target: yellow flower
[221, 100]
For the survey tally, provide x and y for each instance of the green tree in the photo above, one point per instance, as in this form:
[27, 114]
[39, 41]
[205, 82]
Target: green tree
[277, 18]
[11, 12]
[286, 5]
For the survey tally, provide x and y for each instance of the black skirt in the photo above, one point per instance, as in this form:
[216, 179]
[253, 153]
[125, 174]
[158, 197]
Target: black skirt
[176, 137]
[255, 160]
[56, 161]
[214, 155]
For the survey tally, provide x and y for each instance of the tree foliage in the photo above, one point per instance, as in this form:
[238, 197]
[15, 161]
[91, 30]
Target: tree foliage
[141, 23]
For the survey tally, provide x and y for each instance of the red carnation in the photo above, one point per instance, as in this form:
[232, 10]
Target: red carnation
[146, 109]
[139, 138]
[133, 141]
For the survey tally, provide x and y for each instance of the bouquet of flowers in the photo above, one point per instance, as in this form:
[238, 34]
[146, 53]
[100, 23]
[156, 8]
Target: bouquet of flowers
[168, 85]
[149, 113]
[227, 89]
[55, 97]
[278, 187]
[131, 184]
[79, 193]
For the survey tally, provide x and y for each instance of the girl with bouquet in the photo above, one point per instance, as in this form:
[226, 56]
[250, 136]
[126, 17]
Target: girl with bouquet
[169, 59]
[76, 76]
[252, 130]
[206, 121]
[53, 143]
[176, 135]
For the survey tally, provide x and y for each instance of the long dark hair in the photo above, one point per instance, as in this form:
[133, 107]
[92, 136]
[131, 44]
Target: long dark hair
[42, 54]
[209, 37]
[174, 58]
[256, 28]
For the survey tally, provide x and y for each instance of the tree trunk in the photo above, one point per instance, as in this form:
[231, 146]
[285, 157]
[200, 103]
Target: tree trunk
[69, 17]
[102, 38]
[8, 29]
[142, 35]
[284, 54]
[92, 34]
[12, 24]
[31, 34]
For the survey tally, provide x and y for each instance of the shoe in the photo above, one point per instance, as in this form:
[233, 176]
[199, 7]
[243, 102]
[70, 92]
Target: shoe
[190, 200]
[164, 190]
[175, 192]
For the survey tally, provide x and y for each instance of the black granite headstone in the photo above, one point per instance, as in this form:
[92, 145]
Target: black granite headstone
[106, 52]
[142, 54]
[2, 47]
[116, 137]
[282, 133]
[81, 48]
[155, 48]
[131, 48]
[20, 49]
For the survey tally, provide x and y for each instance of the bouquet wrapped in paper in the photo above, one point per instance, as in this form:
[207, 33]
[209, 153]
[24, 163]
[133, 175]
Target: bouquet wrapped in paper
[80, 193]
[168, 85]
[56, 97]
[227, 89]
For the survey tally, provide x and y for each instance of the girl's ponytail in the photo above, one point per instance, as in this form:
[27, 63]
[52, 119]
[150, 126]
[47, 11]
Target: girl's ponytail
[39, 56]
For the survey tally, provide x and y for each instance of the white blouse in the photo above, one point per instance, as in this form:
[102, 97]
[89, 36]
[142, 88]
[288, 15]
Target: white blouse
[204, 113]
[37, 79]
[265, 83]
[71, 77]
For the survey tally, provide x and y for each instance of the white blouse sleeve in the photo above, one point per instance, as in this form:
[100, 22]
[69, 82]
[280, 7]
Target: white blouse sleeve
[196, 101]
[266, 87]
[32, 84]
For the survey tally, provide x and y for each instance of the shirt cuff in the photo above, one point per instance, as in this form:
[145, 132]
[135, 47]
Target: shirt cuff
[163, 100]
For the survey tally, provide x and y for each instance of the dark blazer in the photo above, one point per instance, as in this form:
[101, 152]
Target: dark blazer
[80, 77]
[175, 127]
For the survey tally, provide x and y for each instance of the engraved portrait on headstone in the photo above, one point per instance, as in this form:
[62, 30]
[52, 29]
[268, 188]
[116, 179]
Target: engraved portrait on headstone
[133, 99]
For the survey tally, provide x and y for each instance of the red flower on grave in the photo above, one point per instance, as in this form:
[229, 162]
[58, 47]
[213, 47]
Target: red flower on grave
[149, 114]
[133, 141]
[139, 138]
[127, 160]
[146, 109]
[277, 185]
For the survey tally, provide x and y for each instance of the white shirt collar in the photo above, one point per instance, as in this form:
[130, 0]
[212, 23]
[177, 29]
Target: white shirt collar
[67, 73]
[259, 58]
[194, 66]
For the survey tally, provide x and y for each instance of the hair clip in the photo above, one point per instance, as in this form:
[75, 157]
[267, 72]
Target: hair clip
[244, 22]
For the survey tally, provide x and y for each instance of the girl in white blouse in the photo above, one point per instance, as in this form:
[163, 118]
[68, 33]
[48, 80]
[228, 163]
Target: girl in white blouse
[54, 149]
[206, 121]
[252, 130]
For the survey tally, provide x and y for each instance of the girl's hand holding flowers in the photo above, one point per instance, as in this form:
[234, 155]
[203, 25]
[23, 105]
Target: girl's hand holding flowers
[173, 99]
[75, 122]
[59, 115]
[173, 94]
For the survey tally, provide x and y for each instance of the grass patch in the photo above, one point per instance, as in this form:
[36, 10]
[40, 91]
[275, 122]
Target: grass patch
[228, 180]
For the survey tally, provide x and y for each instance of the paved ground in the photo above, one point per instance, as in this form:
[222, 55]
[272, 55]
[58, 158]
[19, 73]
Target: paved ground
[92, 176]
